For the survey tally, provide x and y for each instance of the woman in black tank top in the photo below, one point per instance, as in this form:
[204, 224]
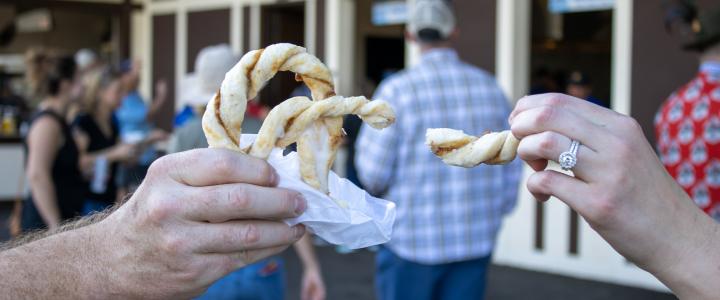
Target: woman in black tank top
[56, 184]
[97, 135]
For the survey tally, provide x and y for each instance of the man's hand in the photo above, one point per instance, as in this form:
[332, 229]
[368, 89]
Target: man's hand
[197, 216]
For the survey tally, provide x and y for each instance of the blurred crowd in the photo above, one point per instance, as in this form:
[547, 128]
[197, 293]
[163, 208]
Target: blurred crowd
[90, 136]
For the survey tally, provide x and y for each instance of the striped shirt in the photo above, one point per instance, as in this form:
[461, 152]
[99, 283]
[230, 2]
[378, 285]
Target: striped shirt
[444, 214]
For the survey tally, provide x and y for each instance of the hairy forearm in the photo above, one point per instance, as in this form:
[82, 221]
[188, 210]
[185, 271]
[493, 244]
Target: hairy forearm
[306, 252]
[43, 195]
[63, 265]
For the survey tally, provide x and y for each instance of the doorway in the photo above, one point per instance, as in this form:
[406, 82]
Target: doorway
[570, 49]
[281, 23]
[383, 57]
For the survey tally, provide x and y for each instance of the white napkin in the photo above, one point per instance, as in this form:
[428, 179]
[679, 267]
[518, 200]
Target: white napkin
[349, 217]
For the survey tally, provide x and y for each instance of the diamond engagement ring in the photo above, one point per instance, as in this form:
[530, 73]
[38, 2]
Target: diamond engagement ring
[568, 159]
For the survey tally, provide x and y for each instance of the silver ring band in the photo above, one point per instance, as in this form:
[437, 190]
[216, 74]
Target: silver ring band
[568, 159]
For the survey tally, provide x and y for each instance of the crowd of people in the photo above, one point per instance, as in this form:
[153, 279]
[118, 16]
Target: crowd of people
[166, 226]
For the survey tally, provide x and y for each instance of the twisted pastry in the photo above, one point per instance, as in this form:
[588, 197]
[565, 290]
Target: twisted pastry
[225, 112]
[459, 149]
[316, 125]
[288, 121]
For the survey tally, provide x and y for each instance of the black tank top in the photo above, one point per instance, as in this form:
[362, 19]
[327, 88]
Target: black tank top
[99, 141]
[70, 187]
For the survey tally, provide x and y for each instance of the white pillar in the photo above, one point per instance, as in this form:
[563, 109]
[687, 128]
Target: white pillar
[181, 28]
[622, 56]
[236, 27]
[412, 50]
[142, 46]
[310, 25]
[255, 26]
[340, 43]
[512, 51]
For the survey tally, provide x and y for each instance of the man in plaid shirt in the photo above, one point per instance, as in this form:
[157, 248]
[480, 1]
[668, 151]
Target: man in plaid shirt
[448, 217]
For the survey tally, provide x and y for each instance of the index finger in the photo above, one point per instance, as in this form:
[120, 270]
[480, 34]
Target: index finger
[212, 166]
[241, 201]
[593, 112]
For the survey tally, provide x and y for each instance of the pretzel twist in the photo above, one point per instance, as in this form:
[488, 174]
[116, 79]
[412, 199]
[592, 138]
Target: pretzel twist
[316, 125]
[222, 121]
[286, 122]
[459, 149]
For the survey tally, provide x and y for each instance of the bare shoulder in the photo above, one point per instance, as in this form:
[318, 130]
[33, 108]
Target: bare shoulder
[44, 128]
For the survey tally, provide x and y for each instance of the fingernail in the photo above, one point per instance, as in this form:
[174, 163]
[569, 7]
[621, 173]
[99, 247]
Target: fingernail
[300, 204]
[299, 230]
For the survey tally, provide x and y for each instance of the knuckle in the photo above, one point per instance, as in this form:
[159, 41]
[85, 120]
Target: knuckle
[240, 199]
[622, 149]
[251, 235]
[222, 164]
[605, 208]
[159, 210]
[632, 125]
[540, 182]
[545, 181]
[173, 246]
[555, 99]
[548, 142]
[544, 115]
[159, 167]
[265, 171]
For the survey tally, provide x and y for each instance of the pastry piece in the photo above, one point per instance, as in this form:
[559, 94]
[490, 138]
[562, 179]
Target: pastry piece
[315, 125]
[459, 149]
[290, 120]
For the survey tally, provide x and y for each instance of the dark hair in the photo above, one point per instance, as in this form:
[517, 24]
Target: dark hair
[429, 35]
[64, 70]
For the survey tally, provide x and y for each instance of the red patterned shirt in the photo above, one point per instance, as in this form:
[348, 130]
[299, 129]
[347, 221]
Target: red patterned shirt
[688, 134]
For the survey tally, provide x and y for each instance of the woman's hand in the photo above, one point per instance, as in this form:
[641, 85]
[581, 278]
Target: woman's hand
[122, 152]
[620, 187]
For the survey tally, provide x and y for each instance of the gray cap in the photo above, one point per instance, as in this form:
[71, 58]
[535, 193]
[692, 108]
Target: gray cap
[433, 15]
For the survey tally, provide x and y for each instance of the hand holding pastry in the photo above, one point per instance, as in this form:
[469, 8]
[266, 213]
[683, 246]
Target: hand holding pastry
[620, 187]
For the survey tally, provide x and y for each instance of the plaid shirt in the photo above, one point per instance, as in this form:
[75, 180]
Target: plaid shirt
[444, 214]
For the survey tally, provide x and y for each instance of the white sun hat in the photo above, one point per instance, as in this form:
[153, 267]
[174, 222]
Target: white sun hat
[212, 62]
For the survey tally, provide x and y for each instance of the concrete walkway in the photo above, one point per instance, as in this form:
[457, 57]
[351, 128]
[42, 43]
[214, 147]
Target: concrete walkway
[350, 277]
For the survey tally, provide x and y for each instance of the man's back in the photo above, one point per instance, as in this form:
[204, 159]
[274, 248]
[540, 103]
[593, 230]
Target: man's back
[445, 213]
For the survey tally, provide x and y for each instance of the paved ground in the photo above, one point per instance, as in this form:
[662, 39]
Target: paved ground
[350, 277]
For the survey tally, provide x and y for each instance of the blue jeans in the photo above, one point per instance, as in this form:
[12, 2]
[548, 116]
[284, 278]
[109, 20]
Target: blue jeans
[263, 280]
[93, 206]
[399, 279]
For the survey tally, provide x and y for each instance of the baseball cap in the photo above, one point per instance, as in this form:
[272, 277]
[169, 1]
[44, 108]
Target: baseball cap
[431, 20]
[578, 78]
[706, 30]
